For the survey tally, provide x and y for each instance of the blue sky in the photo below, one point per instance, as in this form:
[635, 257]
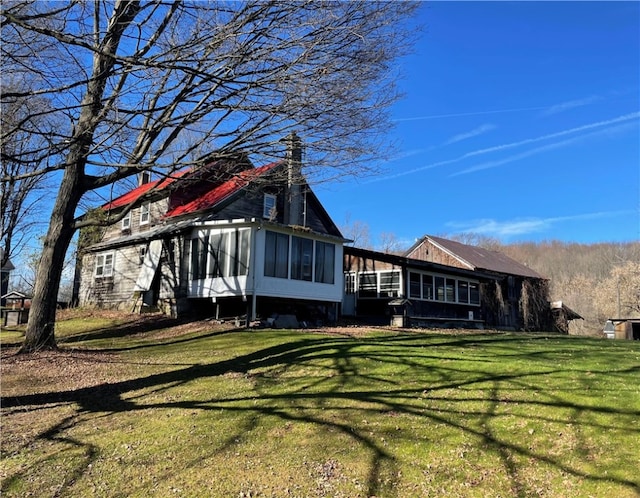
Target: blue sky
[520, 121]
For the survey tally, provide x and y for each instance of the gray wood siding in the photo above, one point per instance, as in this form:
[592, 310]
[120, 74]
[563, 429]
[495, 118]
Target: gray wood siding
[428, 252]
[115, 291]
[251, 204]
[156, 211]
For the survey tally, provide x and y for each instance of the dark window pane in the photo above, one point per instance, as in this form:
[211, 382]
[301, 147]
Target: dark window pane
[368, 285]
[301, 258]
[463, 291]
[414, 285]
[276, 261]
[451, 290]
[427, 287]
[474, 293]
[325, 262]
[439, 288]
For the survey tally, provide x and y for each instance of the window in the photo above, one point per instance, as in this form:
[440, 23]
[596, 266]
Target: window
[104, 265]
[427, 287]
[126, 221]
[439, 281]
[239, 251]
[217, 266]
[450, 290]
[269, 207]
[301, 258]
[368, 285]
[474, 293]
[144, 213]
[389, 283]
[437, 288]
[350, 283]
[414, 285]
[220, 254]
[308, 261]
[325, 262]
[463, 291]
[199, 257]
[276, 255]
[142, 252]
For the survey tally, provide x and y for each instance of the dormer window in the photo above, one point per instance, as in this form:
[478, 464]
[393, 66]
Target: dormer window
[144, 213]
[269, 207]
[126, 221]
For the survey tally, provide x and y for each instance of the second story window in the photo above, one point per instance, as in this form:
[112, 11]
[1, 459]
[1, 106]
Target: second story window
[126, 221]
[269, 207]
[144, 213]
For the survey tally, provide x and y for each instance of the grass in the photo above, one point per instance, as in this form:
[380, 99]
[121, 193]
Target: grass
[145, 407]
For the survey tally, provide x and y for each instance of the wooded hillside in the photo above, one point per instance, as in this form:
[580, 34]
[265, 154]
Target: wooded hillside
[598, 281]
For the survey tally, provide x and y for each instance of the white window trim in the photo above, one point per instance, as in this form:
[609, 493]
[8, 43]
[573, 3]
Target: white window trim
[145, 209]
[456, 300]
[103, 256]
[269, 206]
[126, 221]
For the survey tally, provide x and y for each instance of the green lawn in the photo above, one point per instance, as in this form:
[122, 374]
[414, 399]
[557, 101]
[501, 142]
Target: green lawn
[213, 412]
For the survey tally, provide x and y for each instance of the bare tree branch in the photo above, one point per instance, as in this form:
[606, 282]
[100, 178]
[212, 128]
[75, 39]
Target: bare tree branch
[145, 85]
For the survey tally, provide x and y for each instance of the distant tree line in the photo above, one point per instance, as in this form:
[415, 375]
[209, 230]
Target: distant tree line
[598, 281]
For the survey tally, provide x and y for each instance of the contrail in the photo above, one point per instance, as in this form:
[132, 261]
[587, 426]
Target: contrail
[590, 126]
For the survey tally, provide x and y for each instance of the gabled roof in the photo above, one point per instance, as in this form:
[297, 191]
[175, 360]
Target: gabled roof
[15, 295]
[211, 170]
[221, 192]
[559, 306]
[477, 258]
[135, 194]
[8, 266]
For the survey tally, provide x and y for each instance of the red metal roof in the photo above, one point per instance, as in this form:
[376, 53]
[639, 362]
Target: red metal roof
[220, 192]
[136, 193]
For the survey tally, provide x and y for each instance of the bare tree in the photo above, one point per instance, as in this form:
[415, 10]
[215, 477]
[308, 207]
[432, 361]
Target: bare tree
[145, 84]
[357, 232]
[24, 150]
[389, 244]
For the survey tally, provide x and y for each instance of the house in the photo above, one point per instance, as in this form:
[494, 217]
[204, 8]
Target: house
[225, 239]
[6, 267]
[444, 282]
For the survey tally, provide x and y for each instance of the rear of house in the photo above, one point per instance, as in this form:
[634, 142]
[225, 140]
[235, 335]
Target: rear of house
[229, 240]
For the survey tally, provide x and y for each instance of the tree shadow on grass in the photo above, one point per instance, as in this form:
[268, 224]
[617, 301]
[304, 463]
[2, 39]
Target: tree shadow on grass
[342, 360]
[151, 324]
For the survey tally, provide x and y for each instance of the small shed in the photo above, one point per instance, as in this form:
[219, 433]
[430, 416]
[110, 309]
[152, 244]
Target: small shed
[16, 310]
[400, 311]
[562, 315]
[623, 328]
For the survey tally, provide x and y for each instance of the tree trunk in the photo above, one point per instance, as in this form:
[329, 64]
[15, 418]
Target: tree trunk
[42, 316]
[40, 329]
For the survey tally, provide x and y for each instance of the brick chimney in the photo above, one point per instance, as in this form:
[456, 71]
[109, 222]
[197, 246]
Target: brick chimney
[294, 196]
